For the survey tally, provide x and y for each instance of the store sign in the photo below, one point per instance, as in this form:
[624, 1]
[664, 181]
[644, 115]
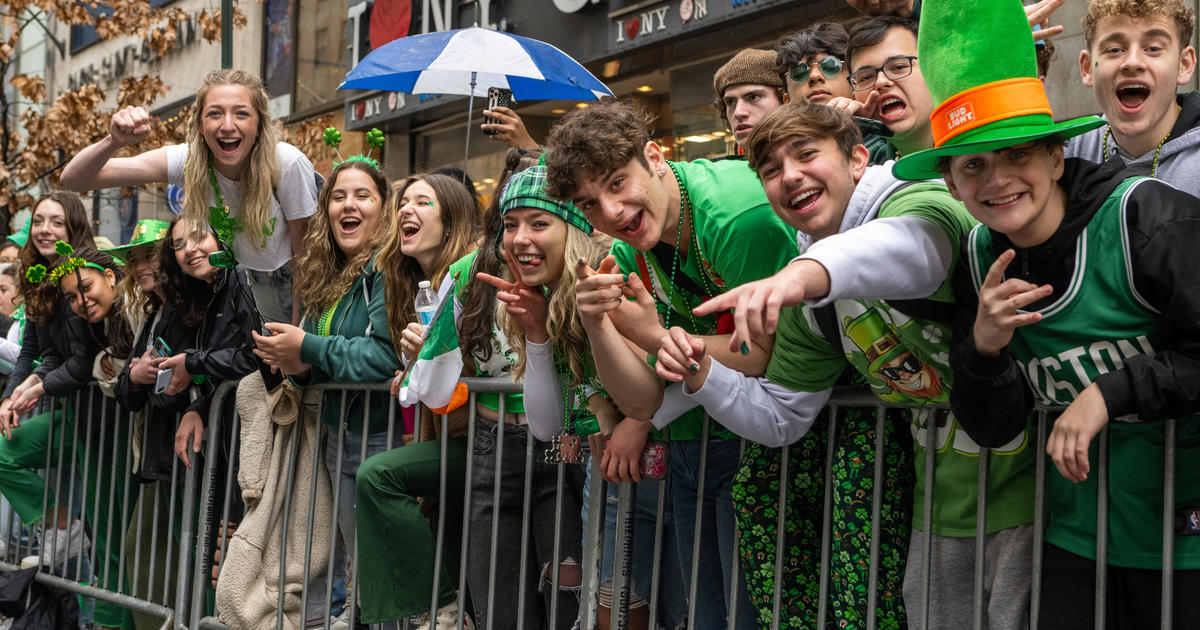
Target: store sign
[373, 107]
[114, 66]
[658, 20]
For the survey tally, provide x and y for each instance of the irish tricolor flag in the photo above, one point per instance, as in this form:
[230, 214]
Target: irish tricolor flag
[432, 379]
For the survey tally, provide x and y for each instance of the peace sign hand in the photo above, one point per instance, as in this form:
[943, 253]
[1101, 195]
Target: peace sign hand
[1000, 302]
[526, 304]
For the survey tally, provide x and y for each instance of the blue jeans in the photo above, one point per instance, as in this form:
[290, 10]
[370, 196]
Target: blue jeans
[272, 292]
[672, 599]
[716, 530]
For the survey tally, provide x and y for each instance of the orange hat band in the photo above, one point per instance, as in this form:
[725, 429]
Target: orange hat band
[988, 103]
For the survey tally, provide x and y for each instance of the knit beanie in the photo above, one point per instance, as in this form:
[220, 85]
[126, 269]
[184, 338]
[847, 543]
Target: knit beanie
[750, 66]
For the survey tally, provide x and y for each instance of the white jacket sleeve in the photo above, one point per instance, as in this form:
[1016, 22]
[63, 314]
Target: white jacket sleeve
[543, 392]
[910, 258]
[757, 408]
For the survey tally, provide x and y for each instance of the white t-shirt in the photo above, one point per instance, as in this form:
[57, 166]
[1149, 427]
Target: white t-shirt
[295, 197]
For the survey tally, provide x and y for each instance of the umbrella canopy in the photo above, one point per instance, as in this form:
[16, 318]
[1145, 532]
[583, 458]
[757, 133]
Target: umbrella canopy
[468, 61]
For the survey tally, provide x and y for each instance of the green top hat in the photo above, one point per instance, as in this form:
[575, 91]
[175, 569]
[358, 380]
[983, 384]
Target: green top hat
[146, 232]
[878, 343]
[21, 236]
[979, 62]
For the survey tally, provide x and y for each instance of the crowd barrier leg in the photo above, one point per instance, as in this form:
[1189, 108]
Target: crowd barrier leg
[1039, 518]
[622, 556]
[876, 505]
[472, 416]
[694, 585]
[1101, 529]
[931, 437]
[1168, 533]
[980, 538]
[526, 508]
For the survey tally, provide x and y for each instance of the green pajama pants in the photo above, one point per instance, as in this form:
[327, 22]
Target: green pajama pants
[396, 544]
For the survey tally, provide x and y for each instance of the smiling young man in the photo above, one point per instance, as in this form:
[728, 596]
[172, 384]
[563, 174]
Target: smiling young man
[889, 323]
[747, 87]
[1138, 54]
[1078, 292]
[689, 231]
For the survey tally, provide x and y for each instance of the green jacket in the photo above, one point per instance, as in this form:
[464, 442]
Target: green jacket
[349, 355]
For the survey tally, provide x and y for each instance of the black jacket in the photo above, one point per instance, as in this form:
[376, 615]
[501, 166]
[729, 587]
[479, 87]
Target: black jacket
[161, 409]
[223, 348]
[991, 397]
[67, 350]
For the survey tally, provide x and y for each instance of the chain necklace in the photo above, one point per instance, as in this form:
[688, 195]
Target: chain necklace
[672, 289]
[1154, 164]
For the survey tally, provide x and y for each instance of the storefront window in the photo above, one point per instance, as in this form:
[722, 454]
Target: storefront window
[321, 53]
[701, 133]
[445, 148]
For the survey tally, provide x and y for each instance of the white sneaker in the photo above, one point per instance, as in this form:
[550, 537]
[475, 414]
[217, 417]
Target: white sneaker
[28, 562]
[63, 544]
[447, 619]
[3, 549]
[340, 622]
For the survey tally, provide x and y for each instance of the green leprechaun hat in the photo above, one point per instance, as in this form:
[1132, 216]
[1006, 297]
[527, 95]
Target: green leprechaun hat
[983, 72]
[146, 232]
[870, 333]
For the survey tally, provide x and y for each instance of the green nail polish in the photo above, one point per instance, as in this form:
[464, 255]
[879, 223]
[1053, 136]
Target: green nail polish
[582, 262]
[625, 277]
[693, 367]
[631, 298]
[745, 348]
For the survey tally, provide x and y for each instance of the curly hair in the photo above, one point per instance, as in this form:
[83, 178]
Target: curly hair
[42, 299]
[571, 348]
[402, 273]
[189, 296]
[261, 174]
[823, 37]
[323, 258]
[118, 333]
[592, 142]
[479, 299]
[1176, 11]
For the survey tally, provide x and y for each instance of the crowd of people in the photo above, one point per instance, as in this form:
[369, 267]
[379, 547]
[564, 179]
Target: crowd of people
[903, 215]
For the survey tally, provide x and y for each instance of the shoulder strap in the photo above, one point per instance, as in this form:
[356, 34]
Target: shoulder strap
[826, 319]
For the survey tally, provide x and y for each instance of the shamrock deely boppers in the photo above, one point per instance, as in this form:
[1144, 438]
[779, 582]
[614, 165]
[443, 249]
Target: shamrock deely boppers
[69, 264]
[375, 138]
[982, 69]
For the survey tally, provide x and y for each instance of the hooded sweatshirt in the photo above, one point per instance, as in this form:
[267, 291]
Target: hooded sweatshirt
[1178, 160]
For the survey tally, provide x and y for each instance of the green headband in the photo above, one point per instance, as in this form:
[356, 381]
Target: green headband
[527, 189]
[37, 273]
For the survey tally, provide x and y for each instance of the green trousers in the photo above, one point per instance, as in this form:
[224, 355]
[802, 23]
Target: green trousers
[25, 454]
[395, 579]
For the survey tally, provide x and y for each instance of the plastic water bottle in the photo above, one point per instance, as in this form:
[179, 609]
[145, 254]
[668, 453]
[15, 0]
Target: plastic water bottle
[426, 302]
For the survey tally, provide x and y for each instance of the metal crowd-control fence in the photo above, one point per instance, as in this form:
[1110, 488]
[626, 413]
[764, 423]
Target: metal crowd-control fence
[69, 472]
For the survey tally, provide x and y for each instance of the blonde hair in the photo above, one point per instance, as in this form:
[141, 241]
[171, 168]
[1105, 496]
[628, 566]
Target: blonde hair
[460, 235]
[323, 258]
[136, 304]
[260, 175]
[571, 348]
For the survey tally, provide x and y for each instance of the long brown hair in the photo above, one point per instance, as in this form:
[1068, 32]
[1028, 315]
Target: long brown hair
[479, 299]
[324, 259]
[118, 332]
[258, 178]
[460, 234]
[42, 299]
[189, 296]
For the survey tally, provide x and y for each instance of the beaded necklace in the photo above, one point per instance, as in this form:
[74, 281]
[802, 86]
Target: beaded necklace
[672, 289]
[1154, 165]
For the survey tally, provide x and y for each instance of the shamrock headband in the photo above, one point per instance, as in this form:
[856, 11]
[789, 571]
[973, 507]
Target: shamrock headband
[332, 138]
[527, 189]
[37, 273]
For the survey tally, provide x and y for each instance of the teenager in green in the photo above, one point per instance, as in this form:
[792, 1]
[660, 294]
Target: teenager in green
[814, 170]
[1079, 292]
[344, 337]
[690, 231]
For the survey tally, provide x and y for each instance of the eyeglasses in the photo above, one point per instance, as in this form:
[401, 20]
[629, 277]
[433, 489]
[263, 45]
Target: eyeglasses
[829, 66]
[895, 68]
[910, 364]
[194, 237]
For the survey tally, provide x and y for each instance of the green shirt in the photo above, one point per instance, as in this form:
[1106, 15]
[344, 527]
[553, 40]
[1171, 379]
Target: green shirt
[1099, 321]
[739, 239]
[905, 359]
[351, 354]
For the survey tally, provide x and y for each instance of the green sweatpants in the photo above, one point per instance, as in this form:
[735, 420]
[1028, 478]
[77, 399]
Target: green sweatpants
[394, 579]
[25, 454]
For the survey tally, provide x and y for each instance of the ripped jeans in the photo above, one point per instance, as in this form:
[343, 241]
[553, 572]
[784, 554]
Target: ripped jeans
[510, 583]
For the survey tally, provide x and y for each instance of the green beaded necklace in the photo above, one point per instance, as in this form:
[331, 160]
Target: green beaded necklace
[1154, 164]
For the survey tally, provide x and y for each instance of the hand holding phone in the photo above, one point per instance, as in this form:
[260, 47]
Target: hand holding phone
[163, 380]
[497, 97]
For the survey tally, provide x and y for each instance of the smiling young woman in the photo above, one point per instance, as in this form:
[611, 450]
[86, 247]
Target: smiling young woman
[232, 160]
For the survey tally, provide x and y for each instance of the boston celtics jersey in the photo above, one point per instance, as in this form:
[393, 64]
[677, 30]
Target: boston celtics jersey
[1097, 323]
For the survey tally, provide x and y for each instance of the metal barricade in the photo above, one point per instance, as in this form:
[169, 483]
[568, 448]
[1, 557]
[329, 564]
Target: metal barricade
[185, 517]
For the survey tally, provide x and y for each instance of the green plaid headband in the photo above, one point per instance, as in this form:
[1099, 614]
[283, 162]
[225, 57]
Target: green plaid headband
[527, 189]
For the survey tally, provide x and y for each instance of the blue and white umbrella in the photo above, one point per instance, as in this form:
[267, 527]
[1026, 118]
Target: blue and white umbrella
[468, 61]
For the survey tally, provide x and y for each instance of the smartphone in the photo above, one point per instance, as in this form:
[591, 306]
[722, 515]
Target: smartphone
[161, 349]
[497, 97]
[163, 380]
[866, 125]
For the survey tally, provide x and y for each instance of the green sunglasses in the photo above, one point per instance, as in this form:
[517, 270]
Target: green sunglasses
[829, 67]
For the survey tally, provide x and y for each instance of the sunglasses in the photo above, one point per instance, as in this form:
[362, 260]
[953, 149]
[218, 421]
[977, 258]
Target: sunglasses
[911, 365]
[830, 66]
